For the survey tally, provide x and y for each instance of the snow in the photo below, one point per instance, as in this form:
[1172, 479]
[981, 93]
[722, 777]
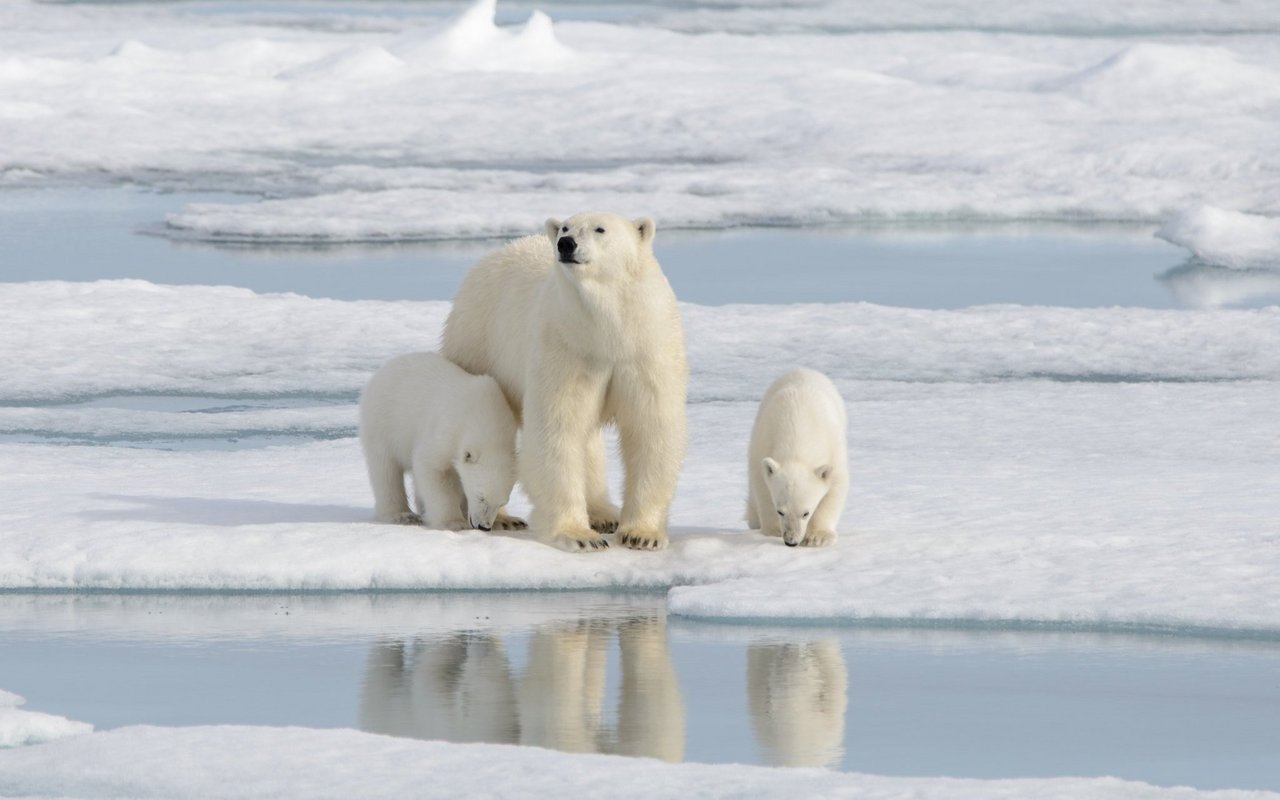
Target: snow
[19, 727]
[1226, 238]
[407, 126]
[130, 336]
[143, 761]
[1157, 471]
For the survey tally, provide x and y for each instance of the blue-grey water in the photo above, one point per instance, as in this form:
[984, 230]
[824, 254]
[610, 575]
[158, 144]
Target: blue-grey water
[91, 234]
[611, 673]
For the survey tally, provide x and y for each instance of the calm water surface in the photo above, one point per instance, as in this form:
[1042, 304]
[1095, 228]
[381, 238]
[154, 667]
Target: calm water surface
[611, 673]
[89, 234]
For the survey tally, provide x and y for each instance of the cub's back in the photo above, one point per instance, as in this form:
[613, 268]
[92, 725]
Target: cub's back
[487, 328]
[801, 412]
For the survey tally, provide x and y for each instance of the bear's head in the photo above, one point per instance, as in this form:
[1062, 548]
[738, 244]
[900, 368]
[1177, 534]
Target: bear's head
[485, 459]
[597, 244]
[796, 490]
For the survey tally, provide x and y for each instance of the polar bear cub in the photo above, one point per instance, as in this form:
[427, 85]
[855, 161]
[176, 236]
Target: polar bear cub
[797, 466]
[453, 431]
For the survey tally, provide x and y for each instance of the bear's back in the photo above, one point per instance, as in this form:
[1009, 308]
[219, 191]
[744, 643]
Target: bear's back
[487, 329]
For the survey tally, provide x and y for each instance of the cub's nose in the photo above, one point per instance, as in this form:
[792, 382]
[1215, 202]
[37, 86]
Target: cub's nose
[566, 245]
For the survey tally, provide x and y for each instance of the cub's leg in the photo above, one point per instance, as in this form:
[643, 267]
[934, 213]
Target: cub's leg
[822, 528]
[390, 503]
[440, 494]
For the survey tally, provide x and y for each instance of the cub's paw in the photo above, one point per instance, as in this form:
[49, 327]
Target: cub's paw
[818, 539]
[642, 539]
[403, 518]
[506, 522]
[579, 540]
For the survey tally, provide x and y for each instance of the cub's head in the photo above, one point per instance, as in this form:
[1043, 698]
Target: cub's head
[796, 490]
[595, 243]
[485, 459]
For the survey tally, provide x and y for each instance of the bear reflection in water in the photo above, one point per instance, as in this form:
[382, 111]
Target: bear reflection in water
[462, 688]
[797, 694]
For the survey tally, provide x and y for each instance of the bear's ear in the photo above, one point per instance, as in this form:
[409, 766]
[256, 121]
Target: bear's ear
[553, 229]
[770, 467]
[646, 227]
[823, 472]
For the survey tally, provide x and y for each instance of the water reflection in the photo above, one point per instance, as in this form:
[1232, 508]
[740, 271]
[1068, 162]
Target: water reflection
[461, 687]
[797, 696]
[1201, 285]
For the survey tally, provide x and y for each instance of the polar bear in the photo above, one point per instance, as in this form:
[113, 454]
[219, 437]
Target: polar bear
[581, 328]
[454, 431]
[797, 693]
[797, 467]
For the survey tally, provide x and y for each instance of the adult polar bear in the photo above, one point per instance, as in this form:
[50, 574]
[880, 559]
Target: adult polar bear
[580, 328]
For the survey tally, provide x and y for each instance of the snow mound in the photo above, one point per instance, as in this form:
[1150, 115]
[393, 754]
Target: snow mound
[1225, 238]
[473, 41]
[19, 728]
[197, 762]
[1173, 74]
[365, 63]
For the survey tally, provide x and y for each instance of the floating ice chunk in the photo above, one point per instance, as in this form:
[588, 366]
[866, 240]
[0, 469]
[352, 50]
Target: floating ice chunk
[19, 727]
[1225, 238]
[1173, 74]
[473, 41]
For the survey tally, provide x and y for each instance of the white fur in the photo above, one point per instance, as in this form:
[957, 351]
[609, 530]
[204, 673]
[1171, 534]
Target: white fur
[797, 466]
[454, 431]
[576, 344]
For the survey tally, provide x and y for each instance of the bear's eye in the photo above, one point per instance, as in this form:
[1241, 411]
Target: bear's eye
[599, 230]
[805, 515]
[565, 229]
[781, 513]
[468, 457]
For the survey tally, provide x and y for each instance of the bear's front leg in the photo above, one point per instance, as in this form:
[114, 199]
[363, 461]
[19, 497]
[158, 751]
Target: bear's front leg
[601, 512]
[562, 412]
[440, 497]
[822, 528]
[651, 428]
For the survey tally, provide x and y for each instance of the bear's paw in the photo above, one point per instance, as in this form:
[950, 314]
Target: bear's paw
[642, 539]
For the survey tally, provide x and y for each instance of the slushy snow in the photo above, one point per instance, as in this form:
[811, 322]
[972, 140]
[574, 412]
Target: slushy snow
[19, 727]
[399, 126]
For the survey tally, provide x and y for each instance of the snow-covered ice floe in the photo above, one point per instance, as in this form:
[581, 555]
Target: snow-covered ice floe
[1225, 238]
[1110, 468]
[399, 126]
[143, 761]
[19, 727]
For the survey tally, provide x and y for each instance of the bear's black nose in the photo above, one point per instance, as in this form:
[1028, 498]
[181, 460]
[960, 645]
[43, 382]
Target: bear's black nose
[566, 245]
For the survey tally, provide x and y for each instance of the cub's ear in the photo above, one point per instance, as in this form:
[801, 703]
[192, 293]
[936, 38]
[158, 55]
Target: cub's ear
[770, 467]
[823, 472]
[646, 227]
[553, 229]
